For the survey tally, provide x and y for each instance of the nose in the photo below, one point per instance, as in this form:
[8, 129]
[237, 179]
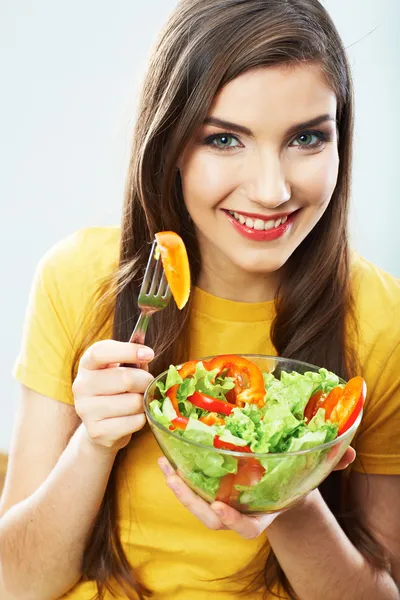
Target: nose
[267, 184]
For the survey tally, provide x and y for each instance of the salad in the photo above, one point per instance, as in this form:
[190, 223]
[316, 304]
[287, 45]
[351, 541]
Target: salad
[228, 403]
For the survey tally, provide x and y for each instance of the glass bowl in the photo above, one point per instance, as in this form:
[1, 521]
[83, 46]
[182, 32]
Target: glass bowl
[234, 477]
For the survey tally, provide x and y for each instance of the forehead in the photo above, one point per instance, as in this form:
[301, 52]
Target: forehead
[277, 96]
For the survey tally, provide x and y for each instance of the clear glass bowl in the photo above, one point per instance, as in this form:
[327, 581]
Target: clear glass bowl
[291, 475]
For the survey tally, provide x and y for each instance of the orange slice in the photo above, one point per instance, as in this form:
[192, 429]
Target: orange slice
[176, 265]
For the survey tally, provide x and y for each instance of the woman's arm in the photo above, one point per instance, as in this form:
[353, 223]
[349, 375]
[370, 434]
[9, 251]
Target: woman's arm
[47, 520]
[51, 498]
[317, 557]
[320, 561]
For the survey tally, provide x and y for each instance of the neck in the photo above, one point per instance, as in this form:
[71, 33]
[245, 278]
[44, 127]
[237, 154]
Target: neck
[229, 282]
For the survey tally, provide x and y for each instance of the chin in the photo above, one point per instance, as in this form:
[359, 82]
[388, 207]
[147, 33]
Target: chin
[263, 264]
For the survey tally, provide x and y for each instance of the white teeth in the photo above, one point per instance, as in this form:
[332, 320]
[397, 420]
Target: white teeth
[268, 225]
[259, 225]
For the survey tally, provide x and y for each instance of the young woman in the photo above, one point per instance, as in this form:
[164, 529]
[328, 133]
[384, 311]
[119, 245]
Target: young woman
[243, 146]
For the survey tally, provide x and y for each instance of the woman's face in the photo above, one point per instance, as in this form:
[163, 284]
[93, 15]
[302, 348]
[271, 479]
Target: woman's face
[261, 170]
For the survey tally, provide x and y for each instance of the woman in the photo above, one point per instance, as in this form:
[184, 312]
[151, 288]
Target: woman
[243, 146]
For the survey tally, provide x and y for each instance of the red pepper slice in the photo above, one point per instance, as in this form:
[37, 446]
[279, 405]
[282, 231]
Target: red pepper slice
[211, 404]
[342, 405]
[349, 404]
[171, 393]
[218, 443]
[188, 369]
[249, 381]
[314, 403]
[331, 401]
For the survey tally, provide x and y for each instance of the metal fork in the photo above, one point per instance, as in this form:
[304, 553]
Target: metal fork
[154, 296]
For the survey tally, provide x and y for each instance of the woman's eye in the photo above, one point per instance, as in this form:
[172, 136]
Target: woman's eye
[223, 141]
[309, 140]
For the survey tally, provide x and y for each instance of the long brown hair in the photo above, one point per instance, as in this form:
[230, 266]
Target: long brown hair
[204, 45]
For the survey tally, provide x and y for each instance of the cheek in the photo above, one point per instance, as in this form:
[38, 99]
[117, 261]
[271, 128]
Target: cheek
[315, 179]
[205, 180]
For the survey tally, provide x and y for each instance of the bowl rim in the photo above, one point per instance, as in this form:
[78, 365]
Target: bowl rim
[257, 455]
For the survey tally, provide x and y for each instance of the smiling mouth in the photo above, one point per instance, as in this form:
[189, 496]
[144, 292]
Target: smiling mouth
[257, 223]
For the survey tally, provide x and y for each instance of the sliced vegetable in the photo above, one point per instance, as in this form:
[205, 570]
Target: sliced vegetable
[218, 443]
[314, 403]
[225, 488]
[211, 404]
[212, 419]
[179, 423]
[331, 401]
[176, 265]
[249, 381]
[171, 394]
[349, 404]
[188, 369]
[249, 473]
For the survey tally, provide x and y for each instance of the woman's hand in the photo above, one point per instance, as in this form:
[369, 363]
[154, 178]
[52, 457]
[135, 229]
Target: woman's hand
[108, 397]
[221, 516]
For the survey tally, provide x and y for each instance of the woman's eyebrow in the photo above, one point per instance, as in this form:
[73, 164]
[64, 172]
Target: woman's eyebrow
[311, 123]
[228, 126]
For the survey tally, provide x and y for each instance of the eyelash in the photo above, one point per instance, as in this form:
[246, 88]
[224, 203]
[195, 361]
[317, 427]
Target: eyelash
[322, 138]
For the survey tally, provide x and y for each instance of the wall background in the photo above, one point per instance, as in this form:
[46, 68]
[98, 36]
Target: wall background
[70, 76]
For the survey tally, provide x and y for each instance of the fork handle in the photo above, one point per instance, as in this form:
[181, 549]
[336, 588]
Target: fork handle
[139, 334]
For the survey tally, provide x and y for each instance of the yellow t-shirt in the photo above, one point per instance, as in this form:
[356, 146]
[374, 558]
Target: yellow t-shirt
[171, 551]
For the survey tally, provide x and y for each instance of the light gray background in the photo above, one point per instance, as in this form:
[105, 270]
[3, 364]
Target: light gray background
[70, 73]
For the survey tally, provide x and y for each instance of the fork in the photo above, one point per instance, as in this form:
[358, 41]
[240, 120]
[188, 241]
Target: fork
[154, 295]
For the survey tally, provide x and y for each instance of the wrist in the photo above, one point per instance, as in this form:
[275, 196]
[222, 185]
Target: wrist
[89, 447]
[299, 511]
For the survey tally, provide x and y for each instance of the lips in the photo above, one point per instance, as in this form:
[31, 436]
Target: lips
[259, 223]
[259, 227]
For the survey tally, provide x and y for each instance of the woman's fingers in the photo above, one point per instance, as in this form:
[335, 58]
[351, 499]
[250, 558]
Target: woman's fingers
[346, 460]
[106, 352]
[106, 407]
[248, 526]
[196, 505]
[110, 381]
[109, 397]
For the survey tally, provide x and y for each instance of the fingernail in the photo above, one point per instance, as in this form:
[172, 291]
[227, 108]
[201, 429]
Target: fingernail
[220, 512]
[145, 353]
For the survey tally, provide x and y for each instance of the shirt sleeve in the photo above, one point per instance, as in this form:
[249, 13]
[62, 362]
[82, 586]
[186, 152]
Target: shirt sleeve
[378, 441]
[60, 294]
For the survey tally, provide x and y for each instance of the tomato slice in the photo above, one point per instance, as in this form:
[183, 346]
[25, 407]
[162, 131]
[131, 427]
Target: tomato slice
[350, 404]
[249, 472]
[211, 404]
[314, 403]
[225, 488]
